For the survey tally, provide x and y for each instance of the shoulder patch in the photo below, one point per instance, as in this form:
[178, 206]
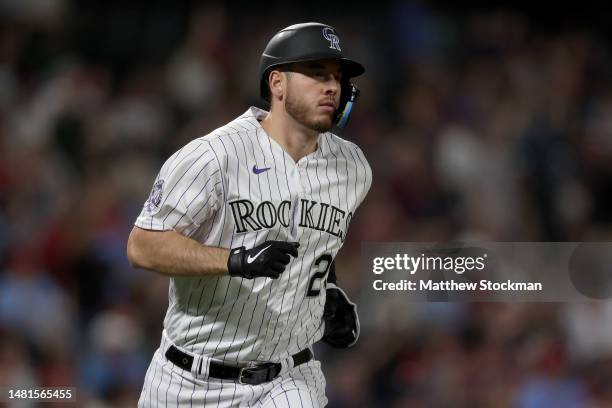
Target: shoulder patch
[155, 196]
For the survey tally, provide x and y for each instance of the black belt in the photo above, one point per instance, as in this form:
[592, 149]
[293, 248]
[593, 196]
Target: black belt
[252, 374]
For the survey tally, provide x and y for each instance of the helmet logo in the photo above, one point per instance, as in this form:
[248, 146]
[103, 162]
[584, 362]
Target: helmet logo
[334, 40]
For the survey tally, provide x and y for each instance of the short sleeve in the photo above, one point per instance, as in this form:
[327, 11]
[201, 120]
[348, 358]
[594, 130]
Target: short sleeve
[187, 191]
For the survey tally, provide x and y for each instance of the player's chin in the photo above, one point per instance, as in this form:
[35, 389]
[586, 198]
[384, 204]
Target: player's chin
[322, 127]
[322, 123]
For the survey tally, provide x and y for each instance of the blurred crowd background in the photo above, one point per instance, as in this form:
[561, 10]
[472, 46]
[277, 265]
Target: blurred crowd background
[480, 123]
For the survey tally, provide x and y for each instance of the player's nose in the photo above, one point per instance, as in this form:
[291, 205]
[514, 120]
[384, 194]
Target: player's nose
[332, 85]
[333, 88]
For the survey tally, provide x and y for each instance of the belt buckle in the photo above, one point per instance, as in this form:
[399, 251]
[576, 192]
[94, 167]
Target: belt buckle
[248, 366]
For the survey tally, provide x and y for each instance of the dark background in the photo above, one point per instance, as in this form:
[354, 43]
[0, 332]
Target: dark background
[481, 121]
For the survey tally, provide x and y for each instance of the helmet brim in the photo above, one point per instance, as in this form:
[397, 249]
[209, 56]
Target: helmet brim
[350, 68]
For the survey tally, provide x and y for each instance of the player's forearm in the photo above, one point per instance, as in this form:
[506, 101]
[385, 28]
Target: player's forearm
[172, 254]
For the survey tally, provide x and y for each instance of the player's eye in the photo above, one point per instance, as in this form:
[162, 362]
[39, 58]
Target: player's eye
[325, 76]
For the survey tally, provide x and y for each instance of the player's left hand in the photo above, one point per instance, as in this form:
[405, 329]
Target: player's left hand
[341, 320]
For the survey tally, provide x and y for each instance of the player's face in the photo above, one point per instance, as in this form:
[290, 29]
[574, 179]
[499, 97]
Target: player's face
[313, 93]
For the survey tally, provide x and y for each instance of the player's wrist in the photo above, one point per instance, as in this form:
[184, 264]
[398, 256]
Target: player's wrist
[235, 262]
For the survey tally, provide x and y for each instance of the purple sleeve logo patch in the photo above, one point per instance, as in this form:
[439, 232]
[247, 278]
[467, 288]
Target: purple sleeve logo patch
[155, 197]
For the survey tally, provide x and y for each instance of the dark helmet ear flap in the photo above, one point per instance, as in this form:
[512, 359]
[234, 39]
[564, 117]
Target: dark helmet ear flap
[348, 97]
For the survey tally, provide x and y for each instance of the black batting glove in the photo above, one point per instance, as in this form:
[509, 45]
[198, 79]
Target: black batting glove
[340, 315]
[268, 259]
[341, 320]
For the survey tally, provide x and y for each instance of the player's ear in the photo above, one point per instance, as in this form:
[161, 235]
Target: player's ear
[276, 82]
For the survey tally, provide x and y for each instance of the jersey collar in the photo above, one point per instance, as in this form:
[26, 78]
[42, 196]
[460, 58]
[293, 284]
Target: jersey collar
[255, 114]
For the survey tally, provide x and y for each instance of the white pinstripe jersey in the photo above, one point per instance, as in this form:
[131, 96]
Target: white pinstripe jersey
[238, 187]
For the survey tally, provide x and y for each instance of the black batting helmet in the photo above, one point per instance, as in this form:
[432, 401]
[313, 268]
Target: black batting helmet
[311, 42]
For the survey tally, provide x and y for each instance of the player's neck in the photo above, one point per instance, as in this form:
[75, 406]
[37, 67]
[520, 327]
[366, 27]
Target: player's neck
[297, 140]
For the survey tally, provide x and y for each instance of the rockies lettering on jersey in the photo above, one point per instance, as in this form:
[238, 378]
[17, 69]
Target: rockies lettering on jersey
[238, 187]
[249, 217]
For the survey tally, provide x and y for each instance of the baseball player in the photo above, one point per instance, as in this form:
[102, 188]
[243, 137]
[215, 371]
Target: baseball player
[246, 221]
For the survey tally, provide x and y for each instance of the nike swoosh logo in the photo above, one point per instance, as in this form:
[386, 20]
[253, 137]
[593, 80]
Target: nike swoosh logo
[251, 259]
[259, 171]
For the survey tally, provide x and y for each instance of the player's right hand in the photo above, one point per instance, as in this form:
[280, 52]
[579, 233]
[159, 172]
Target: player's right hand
[268, 259]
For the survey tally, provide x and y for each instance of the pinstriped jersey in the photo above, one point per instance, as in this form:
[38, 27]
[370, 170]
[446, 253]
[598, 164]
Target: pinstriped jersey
[238, 187]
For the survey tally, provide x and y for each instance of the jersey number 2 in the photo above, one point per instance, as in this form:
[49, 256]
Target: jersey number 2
[319, 275]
